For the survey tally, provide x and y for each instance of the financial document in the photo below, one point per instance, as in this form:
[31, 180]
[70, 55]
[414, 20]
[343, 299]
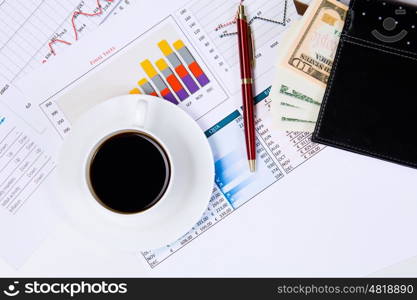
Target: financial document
[185, 53]
[27, 159]
[35, 31]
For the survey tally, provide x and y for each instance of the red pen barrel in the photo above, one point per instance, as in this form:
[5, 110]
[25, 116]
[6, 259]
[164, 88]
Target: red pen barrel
[244, 50]
[248, 119]
[247, 90]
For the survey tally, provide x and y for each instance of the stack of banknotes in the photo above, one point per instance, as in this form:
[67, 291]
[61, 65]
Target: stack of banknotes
[303, 66]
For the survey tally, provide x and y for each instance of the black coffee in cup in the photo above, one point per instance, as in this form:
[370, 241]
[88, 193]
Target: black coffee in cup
[128, 172]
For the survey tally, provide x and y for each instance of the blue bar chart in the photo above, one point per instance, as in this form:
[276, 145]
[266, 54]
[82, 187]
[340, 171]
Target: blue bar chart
[233, 177]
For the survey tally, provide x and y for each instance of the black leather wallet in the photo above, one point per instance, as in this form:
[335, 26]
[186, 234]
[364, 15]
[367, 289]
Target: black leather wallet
[370, 104]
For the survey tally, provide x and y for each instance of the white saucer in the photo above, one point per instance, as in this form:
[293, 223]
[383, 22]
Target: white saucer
[185, 200]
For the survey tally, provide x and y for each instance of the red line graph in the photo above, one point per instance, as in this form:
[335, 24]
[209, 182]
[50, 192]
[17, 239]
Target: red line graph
[282, 22]
[56, 41]
[75, 14]
[78, 13]
[220, 26]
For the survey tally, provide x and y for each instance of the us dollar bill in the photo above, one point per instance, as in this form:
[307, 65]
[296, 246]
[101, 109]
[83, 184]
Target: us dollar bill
[298, 96]
[312, 51]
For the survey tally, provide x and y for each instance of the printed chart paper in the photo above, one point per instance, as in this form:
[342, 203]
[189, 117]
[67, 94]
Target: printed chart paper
[27, 159]
[153, 51]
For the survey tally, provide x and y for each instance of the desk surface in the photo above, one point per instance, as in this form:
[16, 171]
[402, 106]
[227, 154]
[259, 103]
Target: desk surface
[68, 254]
[276, 234]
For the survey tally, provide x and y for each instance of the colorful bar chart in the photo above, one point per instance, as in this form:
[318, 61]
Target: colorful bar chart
[175, 76]
[172, 80]
[191, 63]
[158, 81]
[147, 87]
[135, 91]
[179, 68]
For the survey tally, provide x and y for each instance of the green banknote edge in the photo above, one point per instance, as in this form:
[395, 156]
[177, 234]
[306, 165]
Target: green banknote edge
[296, 120]
[295, 94]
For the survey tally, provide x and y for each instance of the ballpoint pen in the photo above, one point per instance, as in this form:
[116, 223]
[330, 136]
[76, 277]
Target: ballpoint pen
[246, 62]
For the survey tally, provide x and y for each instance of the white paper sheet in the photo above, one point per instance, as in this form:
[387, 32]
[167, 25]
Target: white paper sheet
[35, 31]
[27, 159]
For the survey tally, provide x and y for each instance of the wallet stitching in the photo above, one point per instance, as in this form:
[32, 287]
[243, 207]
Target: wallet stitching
[324, 104]
[350, 17]
[326, 95]
[379, 49]
[352, 7]
[330, 85]
[379, 45]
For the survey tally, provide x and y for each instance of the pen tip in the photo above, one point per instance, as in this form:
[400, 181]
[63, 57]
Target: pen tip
[241, 9]
[252, 165]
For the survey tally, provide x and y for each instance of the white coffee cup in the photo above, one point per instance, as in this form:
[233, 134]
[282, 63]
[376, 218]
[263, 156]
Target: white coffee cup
[191, 175]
